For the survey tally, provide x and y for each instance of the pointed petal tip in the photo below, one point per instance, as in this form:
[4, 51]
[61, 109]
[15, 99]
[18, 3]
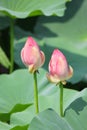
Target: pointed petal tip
[71, 71]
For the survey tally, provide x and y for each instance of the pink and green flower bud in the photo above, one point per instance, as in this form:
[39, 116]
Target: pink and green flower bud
[32, 56]
[59, 70]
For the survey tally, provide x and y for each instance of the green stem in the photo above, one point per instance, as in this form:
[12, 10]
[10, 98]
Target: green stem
[36, 93]
[12, 45]
[61, 99]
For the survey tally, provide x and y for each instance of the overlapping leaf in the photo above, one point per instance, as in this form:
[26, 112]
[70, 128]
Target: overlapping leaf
[14, 93]
[74, 102]
[17, 92]
[17, 88]
[48, 120]
[25, 8]
[4, 126]
[74, 118]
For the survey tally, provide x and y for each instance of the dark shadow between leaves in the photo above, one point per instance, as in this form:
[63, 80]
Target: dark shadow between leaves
[17, 108]
[72, 8]
[78, 105]
[46, 32]
[25, 127]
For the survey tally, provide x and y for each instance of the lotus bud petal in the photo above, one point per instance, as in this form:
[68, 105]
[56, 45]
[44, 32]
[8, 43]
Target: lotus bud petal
[31, 55]
[59, 70]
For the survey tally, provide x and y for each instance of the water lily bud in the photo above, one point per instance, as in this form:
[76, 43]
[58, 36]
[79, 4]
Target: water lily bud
[31, 55]
[59, 70]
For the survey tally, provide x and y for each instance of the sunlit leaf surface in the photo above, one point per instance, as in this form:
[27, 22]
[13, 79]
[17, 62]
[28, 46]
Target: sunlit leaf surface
[25, 8]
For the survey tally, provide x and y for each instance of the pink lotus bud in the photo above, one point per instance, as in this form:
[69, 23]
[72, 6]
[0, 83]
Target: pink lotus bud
[32, 56]
[59, 70]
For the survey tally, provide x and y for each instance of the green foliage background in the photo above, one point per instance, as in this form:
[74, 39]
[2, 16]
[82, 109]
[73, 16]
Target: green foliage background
[41, 20]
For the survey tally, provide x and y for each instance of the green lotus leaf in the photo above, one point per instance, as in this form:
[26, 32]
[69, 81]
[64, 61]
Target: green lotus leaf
[4, 126]
[25, 8]
[74, 119]
[48, 120]
[16, 95]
